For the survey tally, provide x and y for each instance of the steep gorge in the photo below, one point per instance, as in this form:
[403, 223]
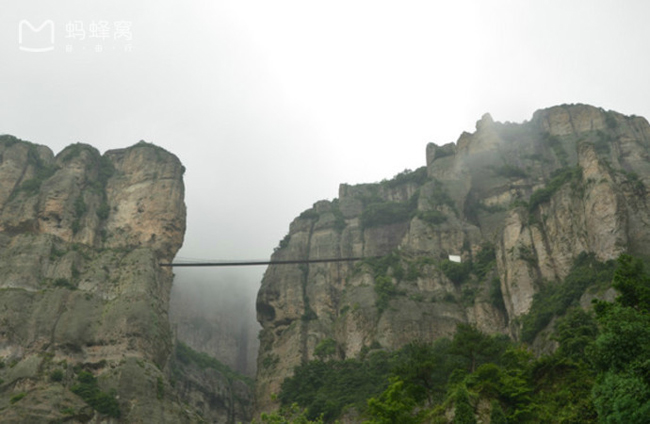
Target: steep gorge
[518, 203]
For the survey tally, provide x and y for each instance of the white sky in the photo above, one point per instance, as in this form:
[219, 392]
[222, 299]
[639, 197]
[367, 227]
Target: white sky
[271, 104]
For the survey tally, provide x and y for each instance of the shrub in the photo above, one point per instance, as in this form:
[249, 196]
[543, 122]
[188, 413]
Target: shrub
[558, 179]
[601, 145]
[188, 356]
[309, 214]
[419, 177]
[325, 348]
[80, 206]
[432, 217]
[378, 214]
[17, 397]
[385, 290]
[89, 391]
[456, 272]
[555, 298]
[610, 120]
[56, 375]
[283, 243]
[510, 171]
[556, 145]
[103, 211]
[65, 283]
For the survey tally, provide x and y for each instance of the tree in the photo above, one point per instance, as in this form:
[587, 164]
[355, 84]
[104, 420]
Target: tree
[476, 348]
[463, 411]
[394, 405]
[622, 351]
[577, 330]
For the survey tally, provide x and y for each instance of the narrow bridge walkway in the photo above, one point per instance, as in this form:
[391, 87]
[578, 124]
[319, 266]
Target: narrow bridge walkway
[262, 262]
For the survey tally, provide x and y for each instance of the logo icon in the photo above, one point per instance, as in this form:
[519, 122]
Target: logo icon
[33, 45]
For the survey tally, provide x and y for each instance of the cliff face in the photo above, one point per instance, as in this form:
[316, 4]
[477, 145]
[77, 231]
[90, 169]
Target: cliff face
[516, 202]
[83, 303]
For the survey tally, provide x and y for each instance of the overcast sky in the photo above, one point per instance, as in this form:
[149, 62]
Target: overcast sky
[270, 104]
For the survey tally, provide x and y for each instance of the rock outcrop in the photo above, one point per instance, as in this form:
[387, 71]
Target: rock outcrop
[84, 333]
[517, 203]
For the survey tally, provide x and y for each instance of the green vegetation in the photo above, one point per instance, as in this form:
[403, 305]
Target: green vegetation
[287, 414]
[105, 170]
[42, 172]
[432, 217]
[458, 273]
[57, 375]
[17, 397]
[73, 151]
[188, 356]
[444, 151]
[637, 184]
[10, 140]
[325, 348]
[558, 179]
[510, 171]
[385, 290]
[555, 298]
[326, 388]
[602, 143]
[339, 219]
[419, 177]
[385, 213]
[610, 120]
[556, 145]
[483, 263]
[496, 296]
[440, 196]
[159, 151]
[270, 361]
[414, 374]
[88, 389]
[65, 283]
[599, 373]
[621, 352]
[283, 243]
[385, 265]
[160, 388]
[384, 269]
[309, 214]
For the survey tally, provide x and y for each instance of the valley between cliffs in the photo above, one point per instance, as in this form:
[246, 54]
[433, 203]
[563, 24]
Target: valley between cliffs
[471, 238]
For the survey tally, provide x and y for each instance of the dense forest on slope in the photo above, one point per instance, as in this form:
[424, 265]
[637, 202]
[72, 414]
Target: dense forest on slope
[599, 373]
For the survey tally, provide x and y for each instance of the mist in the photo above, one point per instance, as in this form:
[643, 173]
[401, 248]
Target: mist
[213, 311]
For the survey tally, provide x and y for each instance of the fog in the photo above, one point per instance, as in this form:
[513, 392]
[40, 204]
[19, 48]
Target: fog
[271, 104]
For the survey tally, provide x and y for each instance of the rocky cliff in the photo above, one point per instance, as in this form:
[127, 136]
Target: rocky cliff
[516, 204]
[84, 333]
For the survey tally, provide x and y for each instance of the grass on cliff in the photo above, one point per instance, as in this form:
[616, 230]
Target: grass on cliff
[558, 179]
[419, 177]
[554, 299]
[88, 389]
[188, 356]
